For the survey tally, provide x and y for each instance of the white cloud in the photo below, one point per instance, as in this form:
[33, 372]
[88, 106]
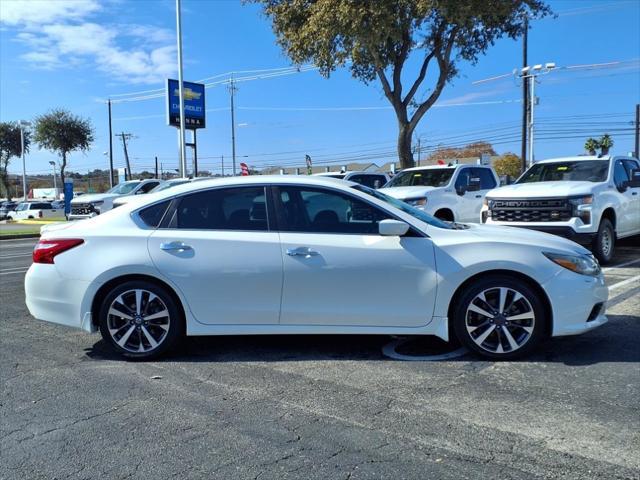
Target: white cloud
[38, 12]
[63, 36]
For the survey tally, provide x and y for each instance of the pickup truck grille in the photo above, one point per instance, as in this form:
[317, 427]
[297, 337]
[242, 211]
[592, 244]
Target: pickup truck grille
[82, 209]
[545, 210]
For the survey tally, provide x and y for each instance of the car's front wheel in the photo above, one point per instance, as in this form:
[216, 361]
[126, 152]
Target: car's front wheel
[140, 319]
[500, 317]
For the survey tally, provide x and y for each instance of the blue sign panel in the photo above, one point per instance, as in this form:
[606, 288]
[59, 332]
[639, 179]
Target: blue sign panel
[68, 195]
[194, 111]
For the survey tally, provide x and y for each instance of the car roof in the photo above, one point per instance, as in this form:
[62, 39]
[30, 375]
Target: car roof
[576, 158]
[437, 167]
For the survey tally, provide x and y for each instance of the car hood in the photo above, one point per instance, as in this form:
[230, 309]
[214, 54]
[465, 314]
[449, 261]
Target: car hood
[96, 197]
[542, 190]
[408, 192]
[523, 236]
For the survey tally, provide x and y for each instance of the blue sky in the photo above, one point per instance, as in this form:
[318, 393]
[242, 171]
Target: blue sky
[76, 53]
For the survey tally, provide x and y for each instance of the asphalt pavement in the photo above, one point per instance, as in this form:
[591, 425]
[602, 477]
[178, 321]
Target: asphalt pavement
[316, 406]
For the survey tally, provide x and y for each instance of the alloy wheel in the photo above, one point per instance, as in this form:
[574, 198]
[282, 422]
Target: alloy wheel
[138, 321]
[500, 320]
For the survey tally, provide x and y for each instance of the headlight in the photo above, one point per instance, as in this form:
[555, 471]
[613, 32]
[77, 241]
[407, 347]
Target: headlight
[581, 208]
[582, 264]
[97, 203]
[417, 202]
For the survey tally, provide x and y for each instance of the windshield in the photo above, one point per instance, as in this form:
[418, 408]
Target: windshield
[22, 206]
[434, 177]
[124, 188]
[164, 186]
[405, 207]
[576, 171]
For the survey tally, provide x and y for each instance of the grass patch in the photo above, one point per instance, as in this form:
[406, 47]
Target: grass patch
[19, 232]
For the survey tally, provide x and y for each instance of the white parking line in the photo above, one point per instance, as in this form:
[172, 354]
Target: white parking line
[12, 272]
[630, 262]
[624, 282]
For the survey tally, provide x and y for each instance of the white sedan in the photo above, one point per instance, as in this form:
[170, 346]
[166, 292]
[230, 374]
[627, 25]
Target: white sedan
[307, 255]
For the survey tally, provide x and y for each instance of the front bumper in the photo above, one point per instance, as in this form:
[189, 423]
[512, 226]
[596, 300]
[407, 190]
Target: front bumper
[573, 298]
[573, 230]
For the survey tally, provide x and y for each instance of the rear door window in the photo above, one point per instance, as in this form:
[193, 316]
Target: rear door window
[239, 208]
[487, 182]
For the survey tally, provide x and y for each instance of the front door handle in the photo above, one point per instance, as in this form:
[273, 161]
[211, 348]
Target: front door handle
[175, 247]
[305, 252]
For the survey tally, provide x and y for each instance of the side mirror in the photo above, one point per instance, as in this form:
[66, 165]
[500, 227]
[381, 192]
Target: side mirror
[461, 190]
[635, 180]
[392, 228]
[474, 185]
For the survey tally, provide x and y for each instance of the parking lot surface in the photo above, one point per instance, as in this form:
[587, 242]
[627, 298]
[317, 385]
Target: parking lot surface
[316, 406]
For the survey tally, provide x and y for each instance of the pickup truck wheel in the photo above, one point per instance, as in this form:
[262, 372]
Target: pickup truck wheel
[605, 241]
[499, 317]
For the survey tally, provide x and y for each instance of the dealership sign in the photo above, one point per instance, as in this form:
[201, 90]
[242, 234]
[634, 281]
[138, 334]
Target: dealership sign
[194, 111]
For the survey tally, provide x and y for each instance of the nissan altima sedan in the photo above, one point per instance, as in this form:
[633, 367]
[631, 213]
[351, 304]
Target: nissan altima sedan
[261, 255]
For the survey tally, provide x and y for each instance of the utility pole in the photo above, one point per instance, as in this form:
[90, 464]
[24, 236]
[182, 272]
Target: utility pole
[525, 95]
[125, 137]
[157, 167]
[222, 164]
[183, 150]
[418, 151]
[161, 171]
[637, 149]
[110, 148]
[23, 124]
[532, 103]
[232, 89]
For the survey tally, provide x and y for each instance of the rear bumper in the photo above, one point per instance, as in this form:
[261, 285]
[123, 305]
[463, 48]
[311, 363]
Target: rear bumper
[81, 217]
[52, 298]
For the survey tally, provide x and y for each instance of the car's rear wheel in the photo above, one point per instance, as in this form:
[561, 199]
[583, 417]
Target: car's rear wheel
[605, 242]
[499, 317]
[140, 320]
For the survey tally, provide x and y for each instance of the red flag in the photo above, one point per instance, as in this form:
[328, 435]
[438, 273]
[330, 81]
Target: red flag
[440, 162]
[244, 169]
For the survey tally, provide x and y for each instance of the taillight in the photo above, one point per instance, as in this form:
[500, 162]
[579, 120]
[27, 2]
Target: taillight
[46, 250]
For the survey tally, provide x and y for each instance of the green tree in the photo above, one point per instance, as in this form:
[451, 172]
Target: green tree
[508, 164]
[377, 38]
[591, 145]
[606, 143]
[475, 149]
[62, 132]
[10, 146]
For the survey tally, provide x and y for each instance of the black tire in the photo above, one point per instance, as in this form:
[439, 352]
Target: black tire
[604, 245]
[516, 329]
[166, 330]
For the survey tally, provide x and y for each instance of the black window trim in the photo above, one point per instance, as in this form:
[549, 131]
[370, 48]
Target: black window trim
[279, 219]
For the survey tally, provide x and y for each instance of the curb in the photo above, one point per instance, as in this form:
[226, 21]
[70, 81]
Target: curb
[18, 236]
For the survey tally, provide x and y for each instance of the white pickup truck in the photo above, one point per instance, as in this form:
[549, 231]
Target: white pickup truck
[591, 200]
[33, 211]
[452, 193]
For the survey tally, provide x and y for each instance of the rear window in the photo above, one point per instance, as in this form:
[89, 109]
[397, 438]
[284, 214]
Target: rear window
[152, 216]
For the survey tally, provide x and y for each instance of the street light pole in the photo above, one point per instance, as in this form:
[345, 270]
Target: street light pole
[55, 183]
[23, 124]
[183, 151]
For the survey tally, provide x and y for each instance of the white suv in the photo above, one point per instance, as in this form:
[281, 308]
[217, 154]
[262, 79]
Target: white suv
[591, 200]
[451, 193]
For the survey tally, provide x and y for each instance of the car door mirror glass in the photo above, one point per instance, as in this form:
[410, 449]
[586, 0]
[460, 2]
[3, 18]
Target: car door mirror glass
[390, 227]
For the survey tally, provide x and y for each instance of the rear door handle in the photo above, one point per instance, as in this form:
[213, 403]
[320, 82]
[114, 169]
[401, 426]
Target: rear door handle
[478, 196]
[305, 252]
[175, 247]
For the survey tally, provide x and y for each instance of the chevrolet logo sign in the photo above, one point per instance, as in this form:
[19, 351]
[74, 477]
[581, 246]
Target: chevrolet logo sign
[188, 94]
